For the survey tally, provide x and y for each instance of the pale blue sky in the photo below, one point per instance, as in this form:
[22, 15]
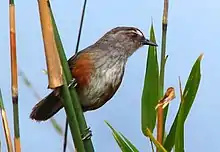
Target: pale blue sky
[193, 29]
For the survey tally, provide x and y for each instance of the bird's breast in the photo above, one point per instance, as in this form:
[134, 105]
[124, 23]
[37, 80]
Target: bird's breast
[104, 83]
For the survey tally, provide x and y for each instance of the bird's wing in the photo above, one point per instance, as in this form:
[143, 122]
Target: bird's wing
[82, 66]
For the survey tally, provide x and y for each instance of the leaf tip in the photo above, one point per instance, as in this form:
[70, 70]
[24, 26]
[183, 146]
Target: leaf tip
[108, 124]
[201, 56]
[152, 22]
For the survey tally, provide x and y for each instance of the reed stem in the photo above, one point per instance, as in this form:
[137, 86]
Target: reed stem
[5, 125]
[162, 114]
[14, 76]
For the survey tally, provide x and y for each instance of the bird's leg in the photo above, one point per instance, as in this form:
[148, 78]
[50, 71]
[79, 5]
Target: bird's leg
[87, 134]
[72, 83]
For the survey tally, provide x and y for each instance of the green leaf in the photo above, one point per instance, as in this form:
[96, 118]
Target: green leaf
[1, 101]
[179, 142]
[150, 90]
[156, 143]
[129, 143]
[124, 144]
[189, 95]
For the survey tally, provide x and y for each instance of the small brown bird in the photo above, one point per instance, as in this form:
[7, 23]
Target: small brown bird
[98, 71]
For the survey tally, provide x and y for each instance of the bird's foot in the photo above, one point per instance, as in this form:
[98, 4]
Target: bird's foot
[72, 83]
[87, 134]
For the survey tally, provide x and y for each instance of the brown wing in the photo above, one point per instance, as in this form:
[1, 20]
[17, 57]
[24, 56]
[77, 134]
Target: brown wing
[82, 67]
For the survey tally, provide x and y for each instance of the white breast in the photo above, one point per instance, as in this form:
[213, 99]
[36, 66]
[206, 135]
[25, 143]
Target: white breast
[103, 80]
[113, 74]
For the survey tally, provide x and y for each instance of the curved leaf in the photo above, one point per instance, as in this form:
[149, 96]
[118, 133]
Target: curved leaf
[189, 95]
[124, 144]
[150, 90]
[129, 143]
[179, 142]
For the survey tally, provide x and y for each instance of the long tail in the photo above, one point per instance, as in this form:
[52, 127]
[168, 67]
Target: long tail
[47, 107]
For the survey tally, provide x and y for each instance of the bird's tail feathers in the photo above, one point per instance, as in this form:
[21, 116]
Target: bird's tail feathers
[47, 107]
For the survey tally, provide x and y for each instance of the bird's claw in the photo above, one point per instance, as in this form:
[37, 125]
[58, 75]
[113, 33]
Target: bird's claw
[72, 83]
[87, 134]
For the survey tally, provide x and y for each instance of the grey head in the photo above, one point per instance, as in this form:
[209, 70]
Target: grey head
[124, 40]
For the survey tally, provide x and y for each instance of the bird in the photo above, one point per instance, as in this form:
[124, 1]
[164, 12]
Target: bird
[98, 71]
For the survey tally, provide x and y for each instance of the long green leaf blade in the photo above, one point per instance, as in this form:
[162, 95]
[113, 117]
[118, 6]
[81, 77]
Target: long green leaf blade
[179, 142]
[124, 144]
[150, 90]
[189, 95]
[134, 149]
[121, 143]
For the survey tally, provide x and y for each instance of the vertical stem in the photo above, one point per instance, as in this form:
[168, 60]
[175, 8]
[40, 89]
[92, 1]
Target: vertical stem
[160, 125]
[81, 25]
[163, 48]
[81, 119]
[5, 125]
[72, 119]
[65, 136]
[52, 55]
[14, 76]
[76, 103]
[152, 146]
[162, 114]
[6, 130]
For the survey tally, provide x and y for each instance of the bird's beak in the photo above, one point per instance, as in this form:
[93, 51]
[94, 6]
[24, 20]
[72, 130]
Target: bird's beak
[148, 42]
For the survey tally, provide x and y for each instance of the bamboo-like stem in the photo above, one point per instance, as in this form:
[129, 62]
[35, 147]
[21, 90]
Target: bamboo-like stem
[14, 76]
[76, 103]
[72, 119]
[52, 57]
[90, 147]
[5, 125]
[163, 62]
[163, 48]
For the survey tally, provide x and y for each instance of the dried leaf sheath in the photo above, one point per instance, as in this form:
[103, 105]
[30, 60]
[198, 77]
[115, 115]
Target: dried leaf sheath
[52, 57]
[166, 99]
